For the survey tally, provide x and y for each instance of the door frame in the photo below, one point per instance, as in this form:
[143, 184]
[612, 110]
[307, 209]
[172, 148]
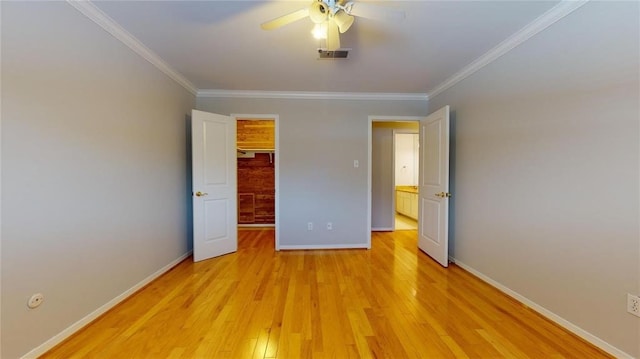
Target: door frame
[276, 158]
[373, 119]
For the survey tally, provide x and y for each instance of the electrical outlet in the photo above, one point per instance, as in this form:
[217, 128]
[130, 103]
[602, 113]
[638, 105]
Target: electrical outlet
[310, 226]
[329, 226]
[633, 305]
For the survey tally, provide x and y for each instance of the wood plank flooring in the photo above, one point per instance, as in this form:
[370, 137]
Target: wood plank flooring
[388, 302]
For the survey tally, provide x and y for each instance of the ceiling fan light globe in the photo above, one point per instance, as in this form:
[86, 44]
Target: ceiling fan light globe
[343, 20]
[318, 12]
[320, 31]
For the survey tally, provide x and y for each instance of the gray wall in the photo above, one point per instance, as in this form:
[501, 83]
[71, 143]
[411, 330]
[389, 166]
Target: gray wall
[319, 140]
[382, 211]
[382, 192]
[94, 162]
[94, 166]
[546, 169]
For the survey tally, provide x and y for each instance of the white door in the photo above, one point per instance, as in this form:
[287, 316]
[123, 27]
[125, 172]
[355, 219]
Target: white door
[433, 226]
[215, 230]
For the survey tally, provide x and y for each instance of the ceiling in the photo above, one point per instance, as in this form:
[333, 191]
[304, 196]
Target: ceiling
[220, 45]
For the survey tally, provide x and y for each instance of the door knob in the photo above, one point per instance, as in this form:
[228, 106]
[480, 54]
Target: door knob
[201, 194]
[443, 195]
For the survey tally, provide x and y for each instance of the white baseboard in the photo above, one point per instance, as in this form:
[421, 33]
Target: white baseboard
[382, 229]
[323, 246]
[547, 313]
[57, 339]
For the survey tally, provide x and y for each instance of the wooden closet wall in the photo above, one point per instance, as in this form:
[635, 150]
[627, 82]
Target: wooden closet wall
[256, 175]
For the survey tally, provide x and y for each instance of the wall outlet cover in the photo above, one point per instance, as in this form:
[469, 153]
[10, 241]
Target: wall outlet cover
[633, 304]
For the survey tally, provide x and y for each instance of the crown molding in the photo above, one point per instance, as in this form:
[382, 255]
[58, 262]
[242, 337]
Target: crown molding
[108, 24]
[545, 20]
[302, 95]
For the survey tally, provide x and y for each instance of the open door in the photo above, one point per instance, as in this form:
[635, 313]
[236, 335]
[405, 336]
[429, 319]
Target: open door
[433, 206]
[214, 187]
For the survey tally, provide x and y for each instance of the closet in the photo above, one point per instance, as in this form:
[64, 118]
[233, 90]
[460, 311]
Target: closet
[256, 172]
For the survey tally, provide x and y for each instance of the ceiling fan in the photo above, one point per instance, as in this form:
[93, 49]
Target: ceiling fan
[333, 17]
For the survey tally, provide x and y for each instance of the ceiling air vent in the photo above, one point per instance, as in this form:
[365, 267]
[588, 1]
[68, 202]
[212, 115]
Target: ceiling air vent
[335, 54]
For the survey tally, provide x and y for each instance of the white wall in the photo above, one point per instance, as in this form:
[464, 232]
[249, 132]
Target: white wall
[94, 163]
[319, 140]
[406, 159]
[546, 164]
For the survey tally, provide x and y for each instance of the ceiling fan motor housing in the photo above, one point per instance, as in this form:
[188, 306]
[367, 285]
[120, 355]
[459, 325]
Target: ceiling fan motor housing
[333, 17]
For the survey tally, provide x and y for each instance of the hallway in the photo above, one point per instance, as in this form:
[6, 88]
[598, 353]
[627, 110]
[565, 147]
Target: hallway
[405, 223]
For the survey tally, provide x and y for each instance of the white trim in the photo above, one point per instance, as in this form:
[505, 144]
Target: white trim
[395, 118]
[547, 313]
[369, 179]
[276, 119]
[323, 246]
[58, 338]
[382, 229]
[547, 19]
[0, 184]
[111, 26]
[302, 95]
[394, 205]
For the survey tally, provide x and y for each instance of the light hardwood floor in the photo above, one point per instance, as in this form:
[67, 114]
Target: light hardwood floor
[391, 301]
[404, 223]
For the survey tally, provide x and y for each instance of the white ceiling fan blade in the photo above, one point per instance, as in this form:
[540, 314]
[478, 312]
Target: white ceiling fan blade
[333, 36]
[285, 19]
[374, 12]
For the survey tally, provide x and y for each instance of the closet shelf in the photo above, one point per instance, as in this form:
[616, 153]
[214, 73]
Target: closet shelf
[255, 150]
[250, 152]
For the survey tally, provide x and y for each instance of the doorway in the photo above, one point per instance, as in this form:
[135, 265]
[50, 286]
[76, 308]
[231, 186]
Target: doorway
[257, 171]
[434, 195]
[214, 182]
[386, 203]
[406, 147]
